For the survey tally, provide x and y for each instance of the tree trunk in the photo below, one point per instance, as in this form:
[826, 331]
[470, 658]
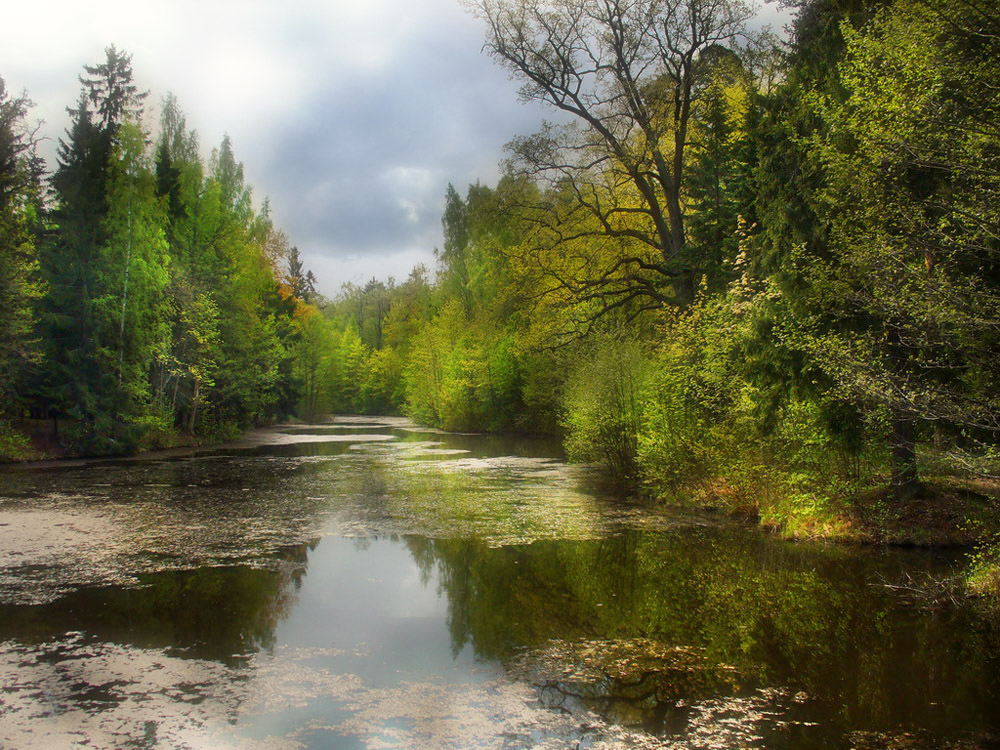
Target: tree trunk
[194, 407]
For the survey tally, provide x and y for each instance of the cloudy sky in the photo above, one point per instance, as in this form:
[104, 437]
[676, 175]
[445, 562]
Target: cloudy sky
[351, 116]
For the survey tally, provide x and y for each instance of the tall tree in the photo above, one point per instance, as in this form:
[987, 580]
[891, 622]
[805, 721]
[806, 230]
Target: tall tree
[789, 182]
[720, 176]
[453, 258]
[20, 192]
[301, 281]
[80, 269]
[630, 74]
[134, 273]
[69, 264]
[110, 89]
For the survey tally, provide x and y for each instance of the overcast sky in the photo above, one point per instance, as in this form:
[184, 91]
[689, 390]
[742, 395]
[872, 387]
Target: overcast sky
[352, 117]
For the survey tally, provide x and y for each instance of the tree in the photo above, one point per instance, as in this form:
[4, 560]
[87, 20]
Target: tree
[86, 264]
[69, 264]
[453, 258]
[377, 297]
[111, 91]
[720, 180]
[20, 198]
[789, 186]
[134, 273]
[913, 194]
[630, 73]
[301, 281]
[313, 352]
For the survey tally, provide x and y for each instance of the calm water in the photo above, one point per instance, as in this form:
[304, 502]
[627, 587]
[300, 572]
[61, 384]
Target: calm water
[368, 585]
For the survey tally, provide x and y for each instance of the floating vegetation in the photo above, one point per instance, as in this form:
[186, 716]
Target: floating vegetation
[634, 682]
[91, 695]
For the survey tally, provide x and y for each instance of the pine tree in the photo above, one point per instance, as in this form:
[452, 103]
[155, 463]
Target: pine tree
[81, 375]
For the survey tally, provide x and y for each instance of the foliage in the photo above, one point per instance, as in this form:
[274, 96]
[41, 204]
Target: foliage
[631, 76]
[14, 446]
[604, 402]
[911, 188]
[148, 297]
[20, 285]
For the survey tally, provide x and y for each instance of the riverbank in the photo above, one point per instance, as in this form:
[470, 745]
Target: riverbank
[283, 433]
[950, 512]
[34, 451]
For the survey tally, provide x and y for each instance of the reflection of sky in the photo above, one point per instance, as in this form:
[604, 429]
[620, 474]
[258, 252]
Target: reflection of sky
[367, 599]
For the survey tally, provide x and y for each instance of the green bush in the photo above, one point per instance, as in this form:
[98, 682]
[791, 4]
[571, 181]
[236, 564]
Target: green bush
[603, 403]
[14, 446]
[693, 410]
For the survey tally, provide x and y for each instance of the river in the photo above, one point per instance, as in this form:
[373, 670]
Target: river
[368, 584]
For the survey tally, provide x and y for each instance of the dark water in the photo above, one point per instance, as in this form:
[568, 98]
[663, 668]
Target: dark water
[367, 585]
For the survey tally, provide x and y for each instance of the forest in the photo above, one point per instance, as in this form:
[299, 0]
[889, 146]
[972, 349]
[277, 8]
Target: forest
[145, 297]
[754, 273]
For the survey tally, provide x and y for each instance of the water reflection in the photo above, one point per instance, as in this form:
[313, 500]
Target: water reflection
[220, 613]
[641, 625]
[644, 639]
[371, 585]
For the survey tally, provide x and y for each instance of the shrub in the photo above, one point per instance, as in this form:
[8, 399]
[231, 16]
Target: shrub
[14, 446]
[602, 405]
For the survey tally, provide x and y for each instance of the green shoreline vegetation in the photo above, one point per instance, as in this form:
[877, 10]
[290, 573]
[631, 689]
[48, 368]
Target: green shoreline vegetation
[742, 273]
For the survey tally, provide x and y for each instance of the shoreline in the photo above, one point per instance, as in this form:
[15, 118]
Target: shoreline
[251, 438]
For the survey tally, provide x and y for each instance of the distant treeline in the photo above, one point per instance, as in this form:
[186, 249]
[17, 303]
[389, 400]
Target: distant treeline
[142, 295]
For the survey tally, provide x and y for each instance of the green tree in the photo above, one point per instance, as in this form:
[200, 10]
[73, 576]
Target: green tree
[454, 257]
[631, 75]
[110, 89]
[913, 191]
[604, 405]
[312, 356]
[134, 274]
[20, 289]
[76, 264]
[302, 282]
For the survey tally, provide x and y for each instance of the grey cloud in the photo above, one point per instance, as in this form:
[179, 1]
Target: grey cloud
[441, 113]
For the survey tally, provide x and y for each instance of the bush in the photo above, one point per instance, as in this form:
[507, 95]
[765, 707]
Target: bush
[693, 407]
[14, 446]
[603, 402]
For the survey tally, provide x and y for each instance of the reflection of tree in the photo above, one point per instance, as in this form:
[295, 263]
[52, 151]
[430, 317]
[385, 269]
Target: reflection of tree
[221, 613]
[640, 624]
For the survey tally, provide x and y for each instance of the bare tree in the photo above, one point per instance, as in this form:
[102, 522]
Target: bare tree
[629, 73]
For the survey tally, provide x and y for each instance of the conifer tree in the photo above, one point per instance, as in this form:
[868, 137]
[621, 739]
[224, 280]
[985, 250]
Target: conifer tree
[81, 373]
[19, 282]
